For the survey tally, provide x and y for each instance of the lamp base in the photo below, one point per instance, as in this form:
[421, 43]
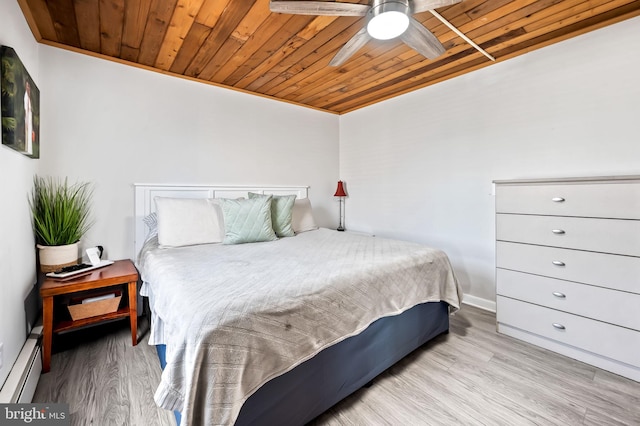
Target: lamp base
[340, 228]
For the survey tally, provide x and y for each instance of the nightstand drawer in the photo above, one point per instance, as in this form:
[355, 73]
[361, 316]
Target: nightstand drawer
[600, 235]
[600, 269]
[619, 343]
[608, 200]
[612, 306]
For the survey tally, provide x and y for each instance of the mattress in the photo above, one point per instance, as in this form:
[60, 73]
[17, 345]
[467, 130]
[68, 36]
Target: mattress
[235, 317]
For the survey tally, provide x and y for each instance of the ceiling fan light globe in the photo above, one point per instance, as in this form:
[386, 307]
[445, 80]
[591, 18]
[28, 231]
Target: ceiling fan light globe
[388, 25]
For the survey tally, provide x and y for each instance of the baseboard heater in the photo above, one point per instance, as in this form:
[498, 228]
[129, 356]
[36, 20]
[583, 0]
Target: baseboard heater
[23, 378]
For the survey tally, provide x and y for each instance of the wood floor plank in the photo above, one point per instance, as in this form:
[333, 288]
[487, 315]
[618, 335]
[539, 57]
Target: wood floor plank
[472, 375]
[526, 396]
[581, 392]
[104, 379]
[501, 392]
[594, 418]
[454, 386]
[144, 375]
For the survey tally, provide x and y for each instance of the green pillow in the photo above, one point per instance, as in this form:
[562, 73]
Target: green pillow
[281, 213]
[247, 221]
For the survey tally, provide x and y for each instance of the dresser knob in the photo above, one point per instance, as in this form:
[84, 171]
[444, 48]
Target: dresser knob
[557, 231]
[557, 200]
[558, 263]
[559, 326]
[558, 294]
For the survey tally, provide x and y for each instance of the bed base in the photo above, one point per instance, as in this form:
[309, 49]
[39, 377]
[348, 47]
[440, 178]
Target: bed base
[308, 390]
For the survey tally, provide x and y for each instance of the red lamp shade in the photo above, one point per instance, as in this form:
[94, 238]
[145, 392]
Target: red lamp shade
[340, 190]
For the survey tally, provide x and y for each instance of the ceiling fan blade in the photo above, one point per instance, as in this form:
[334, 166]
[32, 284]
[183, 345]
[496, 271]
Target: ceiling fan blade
[418, 6]
[422, 40]
[324, 8]
[352, 46]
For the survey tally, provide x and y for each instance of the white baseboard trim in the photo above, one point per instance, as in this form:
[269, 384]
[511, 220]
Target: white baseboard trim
[25, 373]
[478, 302]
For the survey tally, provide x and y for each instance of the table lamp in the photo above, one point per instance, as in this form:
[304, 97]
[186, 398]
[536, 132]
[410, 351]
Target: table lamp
[341, 194]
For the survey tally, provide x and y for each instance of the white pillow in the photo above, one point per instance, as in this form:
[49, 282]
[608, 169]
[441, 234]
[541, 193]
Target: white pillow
[189, 221]
[302, 217]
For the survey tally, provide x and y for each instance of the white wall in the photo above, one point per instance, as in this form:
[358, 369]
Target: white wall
[115, 125]
[420, 166]
[17, 255]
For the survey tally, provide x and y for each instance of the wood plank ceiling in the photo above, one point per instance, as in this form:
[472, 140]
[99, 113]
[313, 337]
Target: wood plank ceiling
[240, 44]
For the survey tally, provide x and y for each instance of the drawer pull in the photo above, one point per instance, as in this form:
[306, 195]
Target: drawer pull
[558, 263]
[559, 326]
[558, 294]
[557, 200]
[557, 231]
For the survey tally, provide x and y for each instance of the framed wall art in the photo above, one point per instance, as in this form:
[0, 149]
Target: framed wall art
[20, 106]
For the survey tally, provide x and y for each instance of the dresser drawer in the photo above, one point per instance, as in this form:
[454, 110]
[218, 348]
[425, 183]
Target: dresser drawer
[619, 343]
[608, 200]
[601, 235]
[612, 306]
[599, 269]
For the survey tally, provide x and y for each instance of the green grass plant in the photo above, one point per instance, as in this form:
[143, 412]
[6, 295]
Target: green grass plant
[60, 211]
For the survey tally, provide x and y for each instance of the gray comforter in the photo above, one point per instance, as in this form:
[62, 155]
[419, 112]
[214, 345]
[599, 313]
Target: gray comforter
[235, 316]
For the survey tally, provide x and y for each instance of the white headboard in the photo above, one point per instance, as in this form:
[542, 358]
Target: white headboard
[144, 199]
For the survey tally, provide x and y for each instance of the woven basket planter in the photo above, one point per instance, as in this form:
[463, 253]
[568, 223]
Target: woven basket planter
[53, 258]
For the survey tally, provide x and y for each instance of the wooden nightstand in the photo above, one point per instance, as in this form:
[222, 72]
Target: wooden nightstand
[121, 273]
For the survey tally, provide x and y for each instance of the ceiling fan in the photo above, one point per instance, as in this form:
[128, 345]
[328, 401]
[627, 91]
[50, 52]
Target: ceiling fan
[386, 19]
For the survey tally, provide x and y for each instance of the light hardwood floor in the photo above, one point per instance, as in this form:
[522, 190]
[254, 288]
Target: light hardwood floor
[471, 376]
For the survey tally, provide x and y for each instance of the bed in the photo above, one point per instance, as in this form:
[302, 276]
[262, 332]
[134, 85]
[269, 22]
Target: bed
[277, 331]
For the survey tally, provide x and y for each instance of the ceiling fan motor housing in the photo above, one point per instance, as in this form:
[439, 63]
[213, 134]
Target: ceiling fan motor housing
[379, 7]
[388, 19]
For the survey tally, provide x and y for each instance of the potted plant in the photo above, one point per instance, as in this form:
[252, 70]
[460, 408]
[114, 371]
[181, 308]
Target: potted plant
[60, 218]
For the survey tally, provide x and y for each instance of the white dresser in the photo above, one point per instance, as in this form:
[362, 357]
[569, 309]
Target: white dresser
[568, 267]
